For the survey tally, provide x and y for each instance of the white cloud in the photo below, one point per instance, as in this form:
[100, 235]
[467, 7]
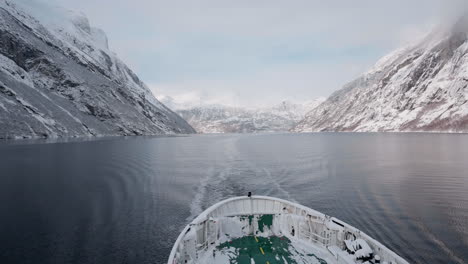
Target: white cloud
[258, 51]
[264, 87]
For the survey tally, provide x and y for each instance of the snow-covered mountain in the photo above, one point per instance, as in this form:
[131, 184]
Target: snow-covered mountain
[419, 88]
[58, 78]
[227, 119]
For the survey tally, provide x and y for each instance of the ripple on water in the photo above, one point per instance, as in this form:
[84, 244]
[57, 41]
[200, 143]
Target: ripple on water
[125, 201]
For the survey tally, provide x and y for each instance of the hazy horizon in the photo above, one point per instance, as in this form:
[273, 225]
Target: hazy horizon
[252, 53]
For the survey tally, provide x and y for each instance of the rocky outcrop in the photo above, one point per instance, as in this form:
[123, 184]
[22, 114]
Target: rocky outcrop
[59, 79]
[419, 88]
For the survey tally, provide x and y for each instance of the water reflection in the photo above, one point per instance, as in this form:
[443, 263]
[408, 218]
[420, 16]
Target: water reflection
[125, 200]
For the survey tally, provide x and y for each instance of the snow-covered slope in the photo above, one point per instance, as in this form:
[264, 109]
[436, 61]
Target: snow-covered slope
[228, 119]
[419, 88]
[58, 78]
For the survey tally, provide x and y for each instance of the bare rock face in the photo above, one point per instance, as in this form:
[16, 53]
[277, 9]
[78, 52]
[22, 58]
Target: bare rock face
[419, 88]
[59, 79]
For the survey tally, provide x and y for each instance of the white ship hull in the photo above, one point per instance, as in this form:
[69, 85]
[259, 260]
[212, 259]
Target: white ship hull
[262, 229]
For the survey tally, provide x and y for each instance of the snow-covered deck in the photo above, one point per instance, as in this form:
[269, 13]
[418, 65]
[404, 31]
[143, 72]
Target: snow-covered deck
[262, 229]
[256, 249]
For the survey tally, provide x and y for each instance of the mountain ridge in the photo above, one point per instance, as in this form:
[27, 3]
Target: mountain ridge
[59, 79]
[218, 118]
[422, 87]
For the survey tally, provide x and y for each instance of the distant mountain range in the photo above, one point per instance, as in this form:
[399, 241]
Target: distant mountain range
[58, 78]
[207, 118]
[422, 87]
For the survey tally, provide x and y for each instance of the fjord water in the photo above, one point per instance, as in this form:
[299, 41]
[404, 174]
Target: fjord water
[125, 200]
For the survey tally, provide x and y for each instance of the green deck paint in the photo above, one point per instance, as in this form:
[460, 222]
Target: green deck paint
[264, 220]
[250, 219]
[278, 250]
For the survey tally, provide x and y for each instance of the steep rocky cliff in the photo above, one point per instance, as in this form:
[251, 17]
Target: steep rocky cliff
[419, 88]
[58, 78]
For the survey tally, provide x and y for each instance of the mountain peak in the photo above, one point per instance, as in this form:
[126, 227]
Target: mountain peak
[418, 88]
[59, 79]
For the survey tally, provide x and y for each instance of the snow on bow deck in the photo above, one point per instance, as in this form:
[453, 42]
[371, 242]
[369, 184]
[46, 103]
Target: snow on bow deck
[262, 229]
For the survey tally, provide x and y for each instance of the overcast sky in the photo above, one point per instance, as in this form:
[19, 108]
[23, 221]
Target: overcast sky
[255, 52]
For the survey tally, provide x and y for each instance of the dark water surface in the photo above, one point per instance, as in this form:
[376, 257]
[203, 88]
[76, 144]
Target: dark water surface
[125, 200]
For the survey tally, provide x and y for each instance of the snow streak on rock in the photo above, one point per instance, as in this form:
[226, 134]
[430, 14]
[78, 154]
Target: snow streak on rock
[58, 78]
[227, 119]
[419, 88]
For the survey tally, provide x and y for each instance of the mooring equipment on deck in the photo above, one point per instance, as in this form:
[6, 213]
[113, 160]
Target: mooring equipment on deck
[261, 229]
